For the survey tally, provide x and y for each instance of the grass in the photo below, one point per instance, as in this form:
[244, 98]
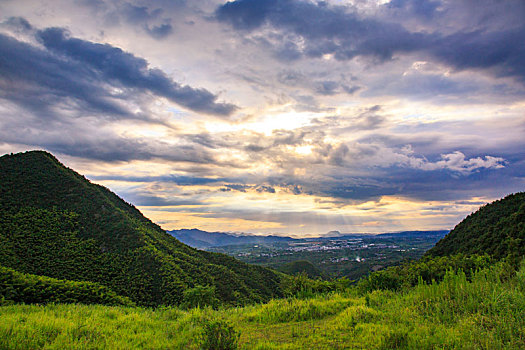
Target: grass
[485, 312]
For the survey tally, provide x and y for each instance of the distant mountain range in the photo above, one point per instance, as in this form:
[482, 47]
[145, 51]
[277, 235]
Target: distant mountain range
[203, 239]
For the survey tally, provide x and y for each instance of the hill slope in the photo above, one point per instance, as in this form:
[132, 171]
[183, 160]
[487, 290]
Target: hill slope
[54, 222]
[497, 229]
[303, 266]
[16, 287]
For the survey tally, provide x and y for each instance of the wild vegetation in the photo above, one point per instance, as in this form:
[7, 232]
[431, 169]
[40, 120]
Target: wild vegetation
[55, 223]
[497, 229]
[16, 287]
[484, 311]
[73, 243]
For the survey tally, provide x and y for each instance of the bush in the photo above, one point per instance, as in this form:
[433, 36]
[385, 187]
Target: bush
[426, 270]
[17, 287]
[301, 286]
[199, 296]
[219, 335]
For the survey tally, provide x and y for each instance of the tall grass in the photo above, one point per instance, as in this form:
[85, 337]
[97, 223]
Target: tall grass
[484, 311]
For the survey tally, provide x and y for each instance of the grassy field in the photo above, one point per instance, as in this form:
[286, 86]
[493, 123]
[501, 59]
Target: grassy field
[487, 312]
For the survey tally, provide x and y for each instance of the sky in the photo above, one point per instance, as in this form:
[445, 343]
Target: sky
[287, 117]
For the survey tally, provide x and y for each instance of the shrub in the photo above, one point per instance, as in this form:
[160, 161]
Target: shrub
[219, 335]
[199, 296]
[301, 286]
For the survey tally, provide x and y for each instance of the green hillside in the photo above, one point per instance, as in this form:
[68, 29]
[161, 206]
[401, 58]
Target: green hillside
[54, 222]
[497, 229]
[303, 266]
[16, 287]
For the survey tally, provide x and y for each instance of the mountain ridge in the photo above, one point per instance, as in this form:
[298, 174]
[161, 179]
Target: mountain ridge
[204, 239]
[56, 223]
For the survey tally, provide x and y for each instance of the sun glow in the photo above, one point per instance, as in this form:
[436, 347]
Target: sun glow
[265, 123]
[303, 150]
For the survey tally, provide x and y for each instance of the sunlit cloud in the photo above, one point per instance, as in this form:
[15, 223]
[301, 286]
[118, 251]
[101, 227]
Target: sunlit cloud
[288, 117]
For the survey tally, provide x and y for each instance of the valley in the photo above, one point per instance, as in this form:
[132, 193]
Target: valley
[350, 256]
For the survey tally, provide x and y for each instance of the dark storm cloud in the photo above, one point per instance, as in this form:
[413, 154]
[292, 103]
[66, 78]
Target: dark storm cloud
[341, 31]
[124, 69]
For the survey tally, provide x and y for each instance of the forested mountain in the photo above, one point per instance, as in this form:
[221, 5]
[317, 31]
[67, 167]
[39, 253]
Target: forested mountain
[56, 223]
[202, 239]
[497, 229]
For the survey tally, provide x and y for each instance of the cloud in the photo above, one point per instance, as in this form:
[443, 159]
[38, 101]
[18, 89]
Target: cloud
[335, 30]
[425, 9]
[161, 31]
[457, 162]
[38, 81]
[262, 188]
[143, 15]
[149, 200]
[128, 71]
[176, 179]
[18, 24]
[346, 33]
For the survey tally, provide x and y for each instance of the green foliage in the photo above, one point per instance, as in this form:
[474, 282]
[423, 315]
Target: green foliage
[287, 310]
[219, 335]
[301, 286]
[303, 266]
[426, 270]
[199, 296]
[497, 229]
[55, 223]
[17, 287]
[397, 339]
[483, 311]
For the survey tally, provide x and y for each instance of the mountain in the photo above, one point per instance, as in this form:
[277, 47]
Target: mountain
[403, 234]
[56, 223]
[497, 229]
[202, 239]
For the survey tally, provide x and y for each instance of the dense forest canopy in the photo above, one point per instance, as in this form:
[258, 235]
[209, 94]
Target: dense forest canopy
[497, 229]
[56, 223]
